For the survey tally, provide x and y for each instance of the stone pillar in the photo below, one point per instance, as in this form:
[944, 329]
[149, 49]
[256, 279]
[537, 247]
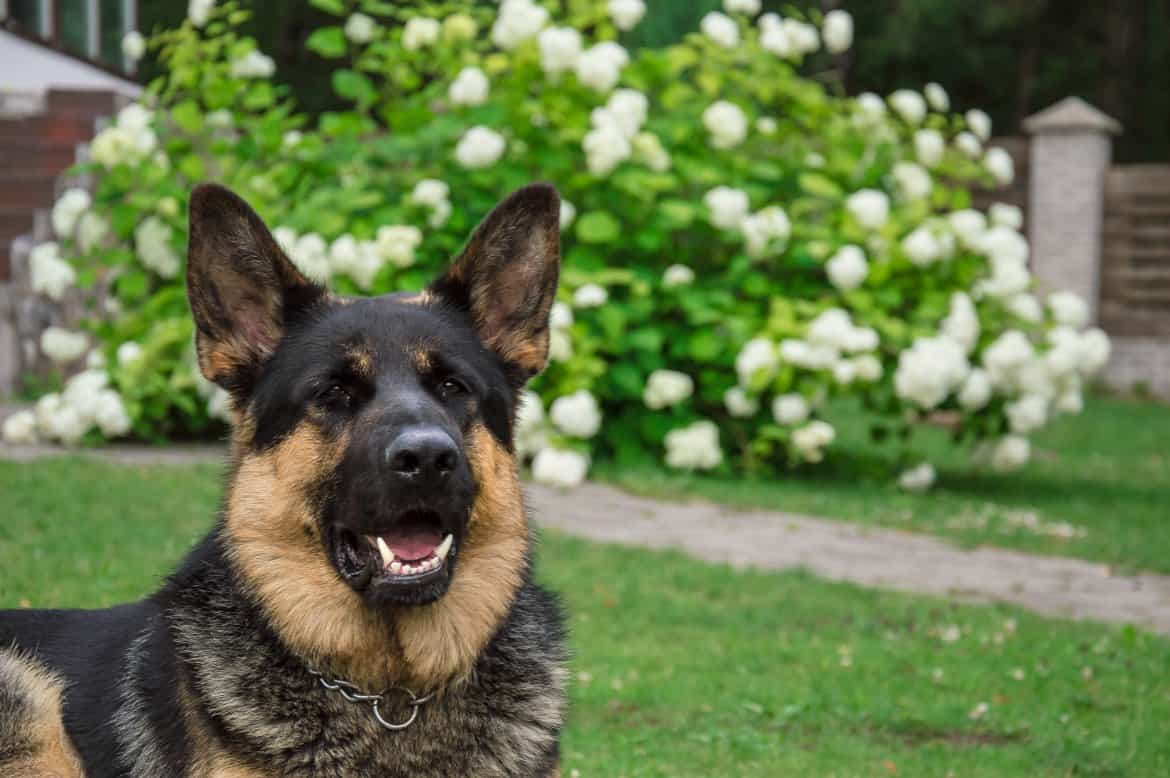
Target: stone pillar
[1072, 147]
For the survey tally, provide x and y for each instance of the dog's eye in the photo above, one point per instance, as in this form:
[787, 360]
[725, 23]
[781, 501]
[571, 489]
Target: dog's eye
[335, 395]
[452, 387]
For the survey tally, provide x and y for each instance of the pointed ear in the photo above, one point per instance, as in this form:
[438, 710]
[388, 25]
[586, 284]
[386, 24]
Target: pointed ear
[242, 288]
[506, 278]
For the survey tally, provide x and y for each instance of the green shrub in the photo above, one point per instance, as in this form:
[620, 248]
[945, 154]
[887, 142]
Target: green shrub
[741, 240]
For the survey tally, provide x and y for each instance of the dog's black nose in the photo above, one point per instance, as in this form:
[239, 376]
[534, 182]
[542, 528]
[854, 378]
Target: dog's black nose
[422, 454]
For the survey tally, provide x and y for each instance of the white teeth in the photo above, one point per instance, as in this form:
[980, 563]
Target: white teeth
[444, 547]
[396, 567]
[387, 554]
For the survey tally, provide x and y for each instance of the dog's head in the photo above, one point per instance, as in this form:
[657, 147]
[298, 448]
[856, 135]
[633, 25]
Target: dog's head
[373, 436]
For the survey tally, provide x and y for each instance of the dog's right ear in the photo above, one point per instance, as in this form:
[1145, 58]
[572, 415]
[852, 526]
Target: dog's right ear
[243, 289]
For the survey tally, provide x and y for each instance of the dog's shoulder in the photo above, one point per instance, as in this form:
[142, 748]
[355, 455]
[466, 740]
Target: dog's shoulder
[33, 743]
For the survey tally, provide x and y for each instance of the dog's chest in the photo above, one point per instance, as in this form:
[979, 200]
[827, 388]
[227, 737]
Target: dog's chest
[471, 732]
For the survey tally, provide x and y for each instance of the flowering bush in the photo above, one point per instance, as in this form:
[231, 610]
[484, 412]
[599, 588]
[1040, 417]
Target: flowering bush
[741, 243]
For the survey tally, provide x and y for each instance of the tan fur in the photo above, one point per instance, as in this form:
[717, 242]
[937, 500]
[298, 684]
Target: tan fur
[361, 361]
[209, 759]
[52, 754]
[276, 544]
[441, 641]
[425, 297]
[422, 359]
[278, 548]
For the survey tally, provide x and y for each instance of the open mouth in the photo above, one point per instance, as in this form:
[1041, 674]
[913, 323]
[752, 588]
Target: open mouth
[416, 550]
[405, 553]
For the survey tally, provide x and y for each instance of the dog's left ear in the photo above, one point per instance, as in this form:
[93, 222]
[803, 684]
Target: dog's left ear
[506, 278]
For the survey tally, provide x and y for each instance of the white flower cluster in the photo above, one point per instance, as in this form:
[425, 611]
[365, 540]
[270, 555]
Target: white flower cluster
[360, 28]
[756, 363]
[847, 268]
[615, 125]
[811, 440]
[909, 105]
[930, 370]
[133, 46]
[1035, 378]
[420, 32]
[834, 343]
[626, 13]
[130, 138]
[359, 260]
[254, 64]
[49, 273]
[560, 340]
[721, 29]
[837, 31]
[199, 11]
[575, 415]
[728, 209]
[694, 447]
[666, 388]
[789, 38]
[434, 195]
[590, 296]
[912, 180]
[600, 66]
[766, 229]
[726, 123]
[518, 21]
[869, 207]
[560, 48]
[648, 150]
[678, 275]
[480, 147]
[87, 402]
[470, 87]
[561, 468]
[68, 209]
[749, 7]
[152, 242]
[530, 431]
[917, 479]
[63, 346]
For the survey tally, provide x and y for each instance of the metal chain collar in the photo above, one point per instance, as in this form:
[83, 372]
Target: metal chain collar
[351, 693]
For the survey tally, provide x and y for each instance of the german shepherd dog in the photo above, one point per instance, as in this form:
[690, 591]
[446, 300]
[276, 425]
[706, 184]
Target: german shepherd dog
[364, 605]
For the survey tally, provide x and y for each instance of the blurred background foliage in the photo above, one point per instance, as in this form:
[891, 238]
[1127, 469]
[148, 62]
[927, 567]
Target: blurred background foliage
[1011, 57]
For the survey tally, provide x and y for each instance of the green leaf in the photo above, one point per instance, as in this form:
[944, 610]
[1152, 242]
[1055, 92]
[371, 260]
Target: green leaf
[132, 286]
[187, 115]
[329, 42]
[677, 214]
[613, 322]
[191, 166]
[820, 185]
[354, 86]
[597, 227]
[335, 7]
[626, 378]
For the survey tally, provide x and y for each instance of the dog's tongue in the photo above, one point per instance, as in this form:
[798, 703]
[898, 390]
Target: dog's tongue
[412, 545]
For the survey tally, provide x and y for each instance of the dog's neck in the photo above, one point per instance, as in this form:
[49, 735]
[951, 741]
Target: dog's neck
[249, 688]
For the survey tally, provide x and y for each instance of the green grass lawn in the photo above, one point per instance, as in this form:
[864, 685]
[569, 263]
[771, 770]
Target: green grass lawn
[1104, 476]
[686, 669]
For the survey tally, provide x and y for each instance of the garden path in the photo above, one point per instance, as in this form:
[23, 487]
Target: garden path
[830, 549]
